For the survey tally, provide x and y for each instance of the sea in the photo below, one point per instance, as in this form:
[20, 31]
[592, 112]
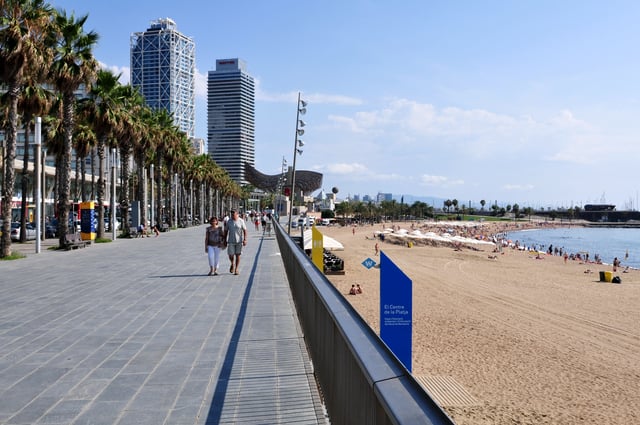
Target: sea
[608, 243]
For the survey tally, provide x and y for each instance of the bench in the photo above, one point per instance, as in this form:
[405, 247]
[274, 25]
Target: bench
[134, 233]
[73, 241]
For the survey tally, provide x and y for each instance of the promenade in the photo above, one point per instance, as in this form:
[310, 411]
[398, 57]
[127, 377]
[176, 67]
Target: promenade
[135, 332]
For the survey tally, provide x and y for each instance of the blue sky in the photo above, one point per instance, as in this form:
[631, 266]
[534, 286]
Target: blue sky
[528, 102]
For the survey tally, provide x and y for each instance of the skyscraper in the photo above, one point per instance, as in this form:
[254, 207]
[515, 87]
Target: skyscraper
[231, 117]
[163, 66]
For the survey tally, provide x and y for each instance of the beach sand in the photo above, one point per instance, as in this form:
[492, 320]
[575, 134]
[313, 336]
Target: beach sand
[511, 340]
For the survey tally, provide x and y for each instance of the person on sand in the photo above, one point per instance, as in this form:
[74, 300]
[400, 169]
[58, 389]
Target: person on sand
[212, 243]
[377, 248]
[353, 290]
[616, 264]
[358, 289]
[235, 238]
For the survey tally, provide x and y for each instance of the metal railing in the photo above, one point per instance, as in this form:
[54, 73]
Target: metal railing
[361, 381]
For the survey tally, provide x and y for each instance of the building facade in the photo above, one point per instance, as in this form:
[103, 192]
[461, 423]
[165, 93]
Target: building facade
[163, 68]
[231, 117]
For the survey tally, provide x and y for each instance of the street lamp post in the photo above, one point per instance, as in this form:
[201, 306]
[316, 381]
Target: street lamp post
[36, 172]
[190, 202]
[297, 144]
[44, 194]
[153, 223]
[175, 202]
[113, 194]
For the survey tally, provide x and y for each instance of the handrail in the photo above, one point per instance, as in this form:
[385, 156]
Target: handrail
[361, 381]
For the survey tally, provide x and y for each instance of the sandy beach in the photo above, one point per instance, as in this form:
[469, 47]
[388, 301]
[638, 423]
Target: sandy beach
[511, 339]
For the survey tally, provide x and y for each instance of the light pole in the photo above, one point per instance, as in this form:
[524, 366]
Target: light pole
[175, 202]
[152, 222]
[297, 144]
[44, 194]
[36, 172]
[113, 194]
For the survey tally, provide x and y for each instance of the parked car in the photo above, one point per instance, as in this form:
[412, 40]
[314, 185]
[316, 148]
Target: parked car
[50, 230]
[15, 232]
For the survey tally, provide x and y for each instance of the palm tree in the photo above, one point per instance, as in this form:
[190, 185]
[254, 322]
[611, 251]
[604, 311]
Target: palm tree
[483, 203]
[448, 204]
[142, 153]
[166, 134]
[128, 134]
[103, 109]
[84, 141]
[73, 66]
[24, 24]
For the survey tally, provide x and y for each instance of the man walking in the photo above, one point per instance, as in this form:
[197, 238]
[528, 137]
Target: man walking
[235, 237]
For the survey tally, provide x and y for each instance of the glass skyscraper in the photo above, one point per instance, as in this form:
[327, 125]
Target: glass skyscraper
[163, 67]
[231, 117]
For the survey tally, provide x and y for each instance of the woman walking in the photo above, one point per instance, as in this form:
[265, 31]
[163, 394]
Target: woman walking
[212, 243]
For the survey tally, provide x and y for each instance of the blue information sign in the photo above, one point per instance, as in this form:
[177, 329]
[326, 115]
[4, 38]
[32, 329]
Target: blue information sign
[396, 310]
[368, 263]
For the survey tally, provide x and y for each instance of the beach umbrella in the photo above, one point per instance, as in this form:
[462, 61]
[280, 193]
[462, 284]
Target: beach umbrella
[328, 243]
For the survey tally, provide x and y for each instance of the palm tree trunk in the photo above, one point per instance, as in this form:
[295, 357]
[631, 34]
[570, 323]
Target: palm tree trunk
[93, 174]
[158, 172]
[83, 179]
[11, 133]
[25, 183]
[101, 188]
[141, 194]
[124, 190]
[64, 188]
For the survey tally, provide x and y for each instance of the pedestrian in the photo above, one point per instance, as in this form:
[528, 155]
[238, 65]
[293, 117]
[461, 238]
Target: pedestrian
[377, 248]
[235, 238]
[213, 241]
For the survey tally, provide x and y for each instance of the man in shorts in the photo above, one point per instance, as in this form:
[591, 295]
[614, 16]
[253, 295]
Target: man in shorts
[235, 237]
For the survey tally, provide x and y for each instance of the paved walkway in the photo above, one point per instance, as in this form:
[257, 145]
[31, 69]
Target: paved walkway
[135, 332]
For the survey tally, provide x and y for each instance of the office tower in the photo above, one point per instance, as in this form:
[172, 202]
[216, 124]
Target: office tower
[231, 117]
[163, 67]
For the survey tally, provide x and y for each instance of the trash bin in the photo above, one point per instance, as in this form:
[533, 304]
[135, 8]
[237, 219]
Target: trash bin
[602, 277]
[608, 276]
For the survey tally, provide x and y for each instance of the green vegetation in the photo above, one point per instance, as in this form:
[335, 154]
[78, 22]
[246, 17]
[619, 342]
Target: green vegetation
[14, 256]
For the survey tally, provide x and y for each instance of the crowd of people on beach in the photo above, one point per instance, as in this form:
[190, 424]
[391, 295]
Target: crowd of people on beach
[497, 232]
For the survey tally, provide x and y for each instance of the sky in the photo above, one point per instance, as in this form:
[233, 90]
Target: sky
[534, 102]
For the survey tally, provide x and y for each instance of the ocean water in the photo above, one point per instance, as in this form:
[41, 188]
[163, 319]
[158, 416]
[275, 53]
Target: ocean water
[608, 243]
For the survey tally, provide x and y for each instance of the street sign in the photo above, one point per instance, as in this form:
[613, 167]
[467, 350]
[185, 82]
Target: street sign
[368, 263]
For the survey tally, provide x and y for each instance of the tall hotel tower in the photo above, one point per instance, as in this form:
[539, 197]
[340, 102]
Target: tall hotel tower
[163, 67]
[231, 117]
